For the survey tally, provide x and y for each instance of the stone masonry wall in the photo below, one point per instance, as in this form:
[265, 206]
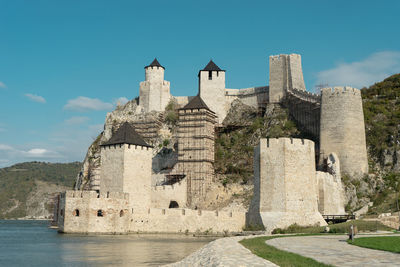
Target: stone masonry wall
[285, 185]
[78, 212]
[342, 129]
[154, 91]
[162, 195]
[127, 168]
[212, 91]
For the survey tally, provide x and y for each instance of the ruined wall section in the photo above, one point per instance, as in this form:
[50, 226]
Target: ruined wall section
[285, 185]
[342, 129]
[154, 91]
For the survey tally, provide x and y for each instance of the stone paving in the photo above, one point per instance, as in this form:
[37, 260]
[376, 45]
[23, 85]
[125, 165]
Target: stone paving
[333, 249]
[223, 252]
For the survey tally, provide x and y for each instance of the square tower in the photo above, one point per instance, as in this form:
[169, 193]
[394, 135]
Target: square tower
[126, 167]
[212, 89]
[196, 149]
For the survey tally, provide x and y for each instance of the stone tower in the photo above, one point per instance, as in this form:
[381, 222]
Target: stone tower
[285, 73]
[154, 92]
[342, 129]
[126, 167]
[285, 184]
[212, 89]
[196, 149]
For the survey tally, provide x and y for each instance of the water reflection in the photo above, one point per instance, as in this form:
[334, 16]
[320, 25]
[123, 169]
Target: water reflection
[31, 243]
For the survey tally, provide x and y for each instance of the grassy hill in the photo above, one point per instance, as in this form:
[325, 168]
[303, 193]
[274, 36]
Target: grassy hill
[20, 183]
[381, 103]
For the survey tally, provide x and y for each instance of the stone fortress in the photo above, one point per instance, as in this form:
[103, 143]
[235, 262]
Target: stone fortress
[295, 180]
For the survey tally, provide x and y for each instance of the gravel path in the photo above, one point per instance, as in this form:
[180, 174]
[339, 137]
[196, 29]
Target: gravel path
[223, 252]
[333, 249]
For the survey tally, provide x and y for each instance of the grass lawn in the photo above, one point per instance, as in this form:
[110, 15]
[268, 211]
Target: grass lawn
[387, 243]
[280, 257]
[363, 226]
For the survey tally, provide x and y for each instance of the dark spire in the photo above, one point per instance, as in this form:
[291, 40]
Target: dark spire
[196, 103]
[211, 66]
[126, 134]
[155, 63]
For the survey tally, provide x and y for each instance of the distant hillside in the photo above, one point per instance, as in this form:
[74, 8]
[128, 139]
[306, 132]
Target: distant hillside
[27, 189]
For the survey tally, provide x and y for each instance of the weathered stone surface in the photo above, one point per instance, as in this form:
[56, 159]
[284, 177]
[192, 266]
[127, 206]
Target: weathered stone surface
[240, 114]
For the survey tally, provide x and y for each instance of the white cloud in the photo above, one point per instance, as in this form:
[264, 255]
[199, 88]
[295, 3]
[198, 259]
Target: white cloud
[6, 147]
[372, 69]
[36, 98]
[40, 153]
[83, 103]
[76, 120]
[121, 101]
[2, 85]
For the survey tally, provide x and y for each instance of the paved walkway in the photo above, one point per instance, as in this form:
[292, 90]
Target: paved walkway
[223, 252]
[333, 249]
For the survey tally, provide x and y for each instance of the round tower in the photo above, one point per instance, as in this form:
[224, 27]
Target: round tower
[154, 72]
[342, 129]
[154, 92]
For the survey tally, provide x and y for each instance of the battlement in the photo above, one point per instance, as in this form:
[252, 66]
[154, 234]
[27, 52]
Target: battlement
[195, 213]
[340, 90]
[283, 56]
[125, 146]
[94, 194]
[278, 142]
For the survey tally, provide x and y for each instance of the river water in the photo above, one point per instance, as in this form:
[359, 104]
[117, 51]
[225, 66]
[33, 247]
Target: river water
[32, 243]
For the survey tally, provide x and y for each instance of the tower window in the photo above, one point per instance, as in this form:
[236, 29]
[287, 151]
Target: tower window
[99, 213]
[76, 213]
[210, 75]
[121, 213]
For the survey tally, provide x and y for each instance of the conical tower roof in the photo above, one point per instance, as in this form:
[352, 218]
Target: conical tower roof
[211, 66]
[196, 103]
[155, 63]
[126, 134]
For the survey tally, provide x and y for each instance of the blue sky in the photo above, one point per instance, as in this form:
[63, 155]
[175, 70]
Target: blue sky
[64, 64]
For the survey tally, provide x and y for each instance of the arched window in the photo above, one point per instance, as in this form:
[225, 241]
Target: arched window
[99, 213]
[76, 213]
[173, 204]
[121, 213]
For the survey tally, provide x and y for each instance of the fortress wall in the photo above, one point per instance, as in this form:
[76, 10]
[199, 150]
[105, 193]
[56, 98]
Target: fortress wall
[187, 220]
[183, 100]
[285, 186]
[305, 113]
[162, 195]
[330, 194]
[342, 129]
[114, 207]
[254, 96]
